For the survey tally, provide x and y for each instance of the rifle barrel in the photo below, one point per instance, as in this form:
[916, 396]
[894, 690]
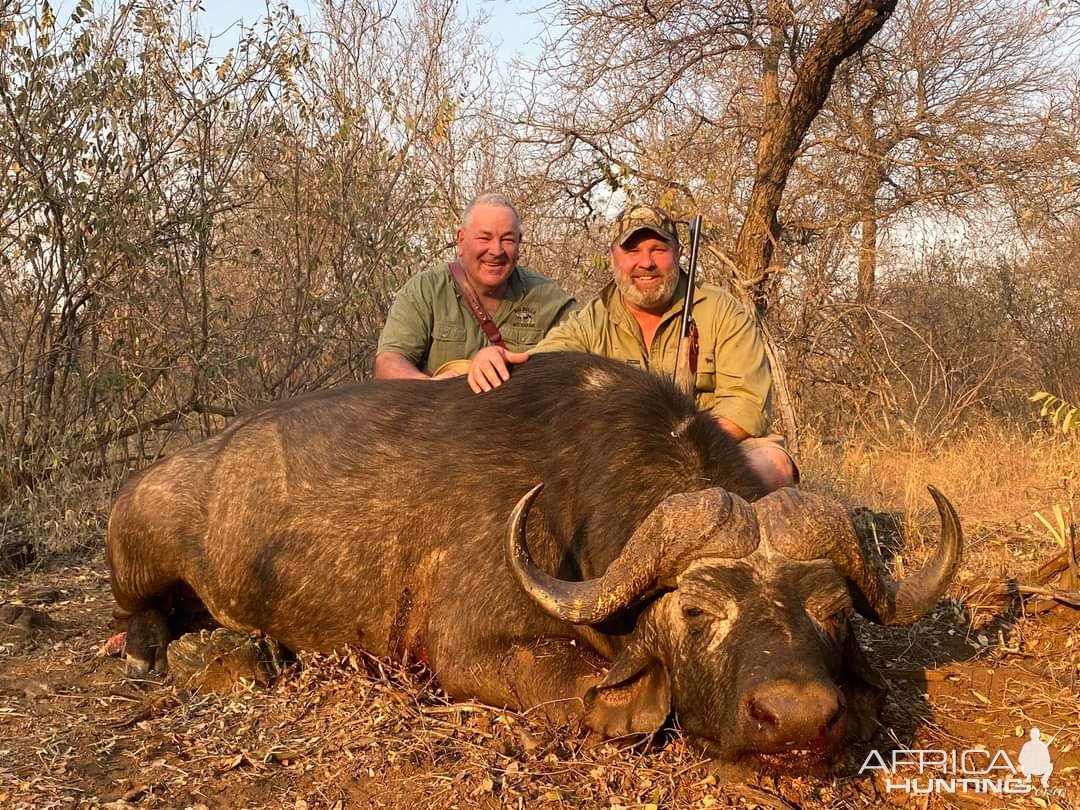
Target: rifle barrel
[691, 273]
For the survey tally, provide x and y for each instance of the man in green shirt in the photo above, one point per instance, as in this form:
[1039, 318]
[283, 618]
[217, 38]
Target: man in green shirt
[429, 324]
[636, 319]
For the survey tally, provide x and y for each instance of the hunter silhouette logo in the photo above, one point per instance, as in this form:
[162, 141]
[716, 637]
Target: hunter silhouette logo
[1035, 757]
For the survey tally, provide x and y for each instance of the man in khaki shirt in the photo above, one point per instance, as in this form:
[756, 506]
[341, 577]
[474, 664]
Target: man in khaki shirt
[429, 324]
[636, 320]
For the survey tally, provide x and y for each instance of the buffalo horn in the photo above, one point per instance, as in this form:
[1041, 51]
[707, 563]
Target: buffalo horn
[916, 595]
[678, 529]
[804, 526]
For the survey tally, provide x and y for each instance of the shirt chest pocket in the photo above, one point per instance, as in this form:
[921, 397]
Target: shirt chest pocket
[449, 332]
[521, 336]
[706, 372]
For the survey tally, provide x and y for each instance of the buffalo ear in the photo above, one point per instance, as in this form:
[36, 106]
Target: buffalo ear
[864, 688]
[634, 697]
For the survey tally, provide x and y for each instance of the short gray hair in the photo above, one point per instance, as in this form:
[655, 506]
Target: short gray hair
[490, 198]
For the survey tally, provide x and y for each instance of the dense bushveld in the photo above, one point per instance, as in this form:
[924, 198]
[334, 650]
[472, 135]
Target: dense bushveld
[191, 226]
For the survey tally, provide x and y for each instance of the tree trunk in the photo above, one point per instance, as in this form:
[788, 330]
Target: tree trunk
[866, 282]
[785, 125]
[867, 259]
[873, 178]
[782, 398]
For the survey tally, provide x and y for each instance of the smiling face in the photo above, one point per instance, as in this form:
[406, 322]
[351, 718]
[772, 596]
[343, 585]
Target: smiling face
[488, 244]
[646, 270]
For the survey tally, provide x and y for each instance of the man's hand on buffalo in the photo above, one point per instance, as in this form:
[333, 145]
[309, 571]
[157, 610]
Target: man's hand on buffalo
[490, 367]
[771, 463]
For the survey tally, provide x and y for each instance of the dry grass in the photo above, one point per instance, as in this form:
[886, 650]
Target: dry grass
[998, 477]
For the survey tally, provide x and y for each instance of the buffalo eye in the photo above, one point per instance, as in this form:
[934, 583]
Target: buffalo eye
[838, 614]
[696, 616]
[834, 613]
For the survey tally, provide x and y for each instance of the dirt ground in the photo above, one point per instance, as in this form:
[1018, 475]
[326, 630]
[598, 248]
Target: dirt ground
[344, 731]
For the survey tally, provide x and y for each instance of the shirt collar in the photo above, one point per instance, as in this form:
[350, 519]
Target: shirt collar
[515, 284]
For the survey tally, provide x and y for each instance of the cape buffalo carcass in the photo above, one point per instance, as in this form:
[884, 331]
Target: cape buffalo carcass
[578, 538]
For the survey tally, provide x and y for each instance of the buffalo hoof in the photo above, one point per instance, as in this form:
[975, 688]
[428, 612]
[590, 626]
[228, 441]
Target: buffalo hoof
[145, 643]
[24, 619]
[20, 625]
[223, 660]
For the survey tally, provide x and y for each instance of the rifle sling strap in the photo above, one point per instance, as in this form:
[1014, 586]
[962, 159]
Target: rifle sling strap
[692, 336]
[492, 332]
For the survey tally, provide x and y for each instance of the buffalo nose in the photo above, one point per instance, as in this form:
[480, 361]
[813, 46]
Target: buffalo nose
[784, 715]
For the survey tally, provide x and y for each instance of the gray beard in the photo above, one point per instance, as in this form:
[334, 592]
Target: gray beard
[660, 297]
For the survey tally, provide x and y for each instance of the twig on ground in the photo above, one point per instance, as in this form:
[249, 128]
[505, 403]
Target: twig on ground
[1067, 597]
[1008, 589]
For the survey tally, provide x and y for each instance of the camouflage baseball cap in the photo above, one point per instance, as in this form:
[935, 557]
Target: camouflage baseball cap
[636, 218]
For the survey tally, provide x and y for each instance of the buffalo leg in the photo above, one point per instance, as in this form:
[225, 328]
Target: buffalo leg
[548, 676]
[147, 640]
[551, 676]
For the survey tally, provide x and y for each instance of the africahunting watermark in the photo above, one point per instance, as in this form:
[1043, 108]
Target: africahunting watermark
[972, 770]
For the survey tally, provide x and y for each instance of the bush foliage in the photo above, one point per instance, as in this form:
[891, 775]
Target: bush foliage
[188, 226]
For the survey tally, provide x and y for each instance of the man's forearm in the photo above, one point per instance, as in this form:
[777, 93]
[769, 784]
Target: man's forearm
[730, 428]
[565, 336]
[771, 462]
[393, 366]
